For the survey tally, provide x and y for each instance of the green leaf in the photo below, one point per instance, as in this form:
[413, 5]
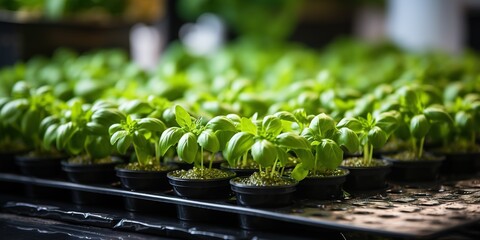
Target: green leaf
[12, 111]
[30, 122]
[247, 125]
[437, 114]
[64, 133]
[182, 117]
[387, 121]
[306, 157]
[272, 125]
[410, 96]
[124, 143]
[187, 147]
[223, 138]
[96, 129]
[107, 116]
[77, 142]
[140, 142]
[99, 147]
[351, 123]
[169, 137]
[287, 116]
[117, 135]
[328, 154]
[135, 107]
[151, 124]
[299, 172]
[282, 156]
[419, 126]
[114, 128]
[221, 123]
[264, 153]
[348, 139]
[209, 141]
[464, 121]
[322, 123]
[50, 136]
[377, 137]
[238, 145]
[292, 141]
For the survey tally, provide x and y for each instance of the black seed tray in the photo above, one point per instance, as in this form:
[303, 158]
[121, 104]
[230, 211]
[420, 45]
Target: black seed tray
[416, 211]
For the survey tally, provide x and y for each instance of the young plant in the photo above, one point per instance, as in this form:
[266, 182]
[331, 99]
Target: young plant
[267, 144]
[193, 138]
[466, 112]
[418, 119]
[143, 134]
[372, 132]
[326, 143]
[82, 130]
[26, 109]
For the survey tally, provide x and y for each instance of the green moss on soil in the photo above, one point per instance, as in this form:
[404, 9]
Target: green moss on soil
[358, 162]
[202, 173]
[328, 173]
[149, 167]
[85, 160]
[265, 179]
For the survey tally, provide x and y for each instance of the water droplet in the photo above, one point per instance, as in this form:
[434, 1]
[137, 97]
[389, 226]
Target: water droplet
[404, 200]
[422, 194]
[410, 209]
[395, 190]
[465, 191]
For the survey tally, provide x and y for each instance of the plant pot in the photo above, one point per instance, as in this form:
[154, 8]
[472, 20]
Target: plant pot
[459, 164]
[42, 167]
[240, 172]
[367, 179]
[414, 171]
[263, 196]
[7, 162]
[202, 189]
[103, 173]
[322, 188]
[137, 180]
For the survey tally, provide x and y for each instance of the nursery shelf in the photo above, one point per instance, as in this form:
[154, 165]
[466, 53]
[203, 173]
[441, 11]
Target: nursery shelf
[426, 211]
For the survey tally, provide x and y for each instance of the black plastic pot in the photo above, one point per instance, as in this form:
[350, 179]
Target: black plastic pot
[152, 181]
[263, 196]
[240, 172]
[414, 171]
[103, 173]
[203, 190]
[367, 179]
[7, 162]
[460, 164]
[322, 188]
[42, 167]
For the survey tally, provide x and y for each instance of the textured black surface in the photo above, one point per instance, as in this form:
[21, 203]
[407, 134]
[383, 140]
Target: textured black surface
[414, 211]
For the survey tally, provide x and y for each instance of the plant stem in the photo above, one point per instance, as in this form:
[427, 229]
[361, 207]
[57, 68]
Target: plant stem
[420, 149]
[414, 147]
[244, 160]
[201, 161]
[273, 167]
[212, 157]
[370, 154]
[366, 154]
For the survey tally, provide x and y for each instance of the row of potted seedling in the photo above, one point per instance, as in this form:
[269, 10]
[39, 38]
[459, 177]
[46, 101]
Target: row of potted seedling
[264, 159]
